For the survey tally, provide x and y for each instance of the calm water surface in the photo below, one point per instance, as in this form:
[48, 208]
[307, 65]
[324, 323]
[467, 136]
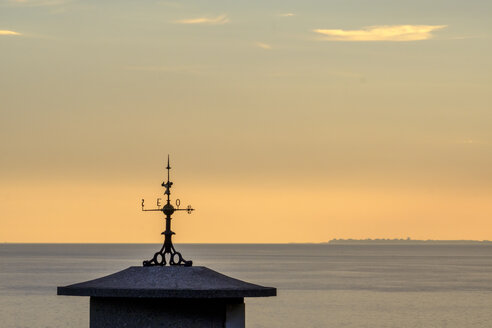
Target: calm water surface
[318, 285]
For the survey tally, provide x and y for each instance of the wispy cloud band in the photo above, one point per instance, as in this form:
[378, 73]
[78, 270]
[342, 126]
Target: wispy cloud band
[7, 32]
[382, 33]
[262, 45]
[38, 3]
[167, 69]
[219, 20]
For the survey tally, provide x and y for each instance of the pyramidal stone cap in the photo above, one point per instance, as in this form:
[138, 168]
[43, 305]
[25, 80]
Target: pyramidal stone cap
[167, 282]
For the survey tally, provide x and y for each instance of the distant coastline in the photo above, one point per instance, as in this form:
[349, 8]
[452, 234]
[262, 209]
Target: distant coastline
[407, 241]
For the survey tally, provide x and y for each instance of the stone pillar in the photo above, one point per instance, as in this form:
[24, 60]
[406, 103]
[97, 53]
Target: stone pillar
[167, 297]
[235, 315]
[107, 312]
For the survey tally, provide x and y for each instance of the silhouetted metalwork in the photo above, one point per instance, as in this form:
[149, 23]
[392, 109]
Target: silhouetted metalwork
[173, 257]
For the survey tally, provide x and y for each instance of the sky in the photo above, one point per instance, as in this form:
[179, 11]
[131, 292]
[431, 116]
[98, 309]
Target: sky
[286, 121]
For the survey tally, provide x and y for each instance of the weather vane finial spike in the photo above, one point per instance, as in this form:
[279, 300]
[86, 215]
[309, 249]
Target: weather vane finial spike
[174, 257]
[168, 169]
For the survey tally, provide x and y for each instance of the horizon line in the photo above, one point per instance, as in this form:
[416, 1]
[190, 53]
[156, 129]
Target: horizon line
[332, 241]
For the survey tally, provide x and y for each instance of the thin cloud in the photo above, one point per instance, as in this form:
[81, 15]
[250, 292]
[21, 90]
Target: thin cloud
[287, 15]
[7, 32]
[38, 3]
[382, 33]
[263, 45]
[167, 69]
[219, 20]
[468, 141]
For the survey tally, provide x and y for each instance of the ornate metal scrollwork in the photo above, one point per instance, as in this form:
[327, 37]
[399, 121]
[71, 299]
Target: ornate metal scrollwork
[168, 254]
[175, 258]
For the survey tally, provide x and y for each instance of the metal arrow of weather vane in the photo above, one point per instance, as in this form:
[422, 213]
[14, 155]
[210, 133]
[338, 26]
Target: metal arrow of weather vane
[173, 257]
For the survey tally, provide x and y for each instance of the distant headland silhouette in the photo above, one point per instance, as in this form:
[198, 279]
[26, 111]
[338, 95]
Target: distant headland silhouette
[402, 241]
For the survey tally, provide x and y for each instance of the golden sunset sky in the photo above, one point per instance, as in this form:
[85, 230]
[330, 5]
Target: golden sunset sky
[286, 121]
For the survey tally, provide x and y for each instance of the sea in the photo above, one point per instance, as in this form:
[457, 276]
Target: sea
[319, 285]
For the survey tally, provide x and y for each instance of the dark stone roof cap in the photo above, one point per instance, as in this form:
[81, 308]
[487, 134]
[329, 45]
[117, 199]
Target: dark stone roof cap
[167, 282]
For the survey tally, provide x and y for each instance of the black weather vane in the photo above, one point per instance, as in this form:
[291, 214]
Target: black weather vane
[173, 257]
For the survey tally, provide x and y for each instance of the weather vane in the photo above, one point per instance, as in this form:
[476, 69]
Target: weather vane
[174, 257]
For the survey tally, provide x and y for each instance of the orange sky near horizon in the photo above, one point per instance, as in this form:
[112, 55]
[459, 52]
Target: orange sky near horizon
[250, 213]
